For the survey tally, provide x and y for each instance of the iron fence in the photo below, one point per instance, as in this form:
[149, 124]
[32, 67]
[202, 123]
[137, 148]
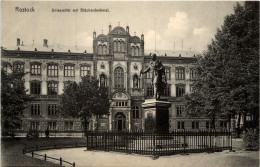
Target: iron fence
[177, 141]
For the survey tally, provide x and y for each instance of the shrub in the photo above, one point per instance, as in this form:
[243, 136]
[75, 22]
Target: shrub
[251, 139]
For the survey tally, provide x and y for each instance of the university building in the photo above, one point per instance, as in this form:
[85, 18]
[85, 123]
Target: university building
[116, 61]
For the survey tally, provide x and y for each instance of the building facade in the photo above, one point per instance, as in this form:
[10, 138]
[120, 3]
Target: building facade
[116, 61]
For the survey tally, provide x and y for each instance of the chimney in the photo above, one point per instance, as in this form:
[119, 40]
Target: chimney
[110, 28]
[94, 34]
[142, 37]
[18, 41]
[127, 29]
[45, 43]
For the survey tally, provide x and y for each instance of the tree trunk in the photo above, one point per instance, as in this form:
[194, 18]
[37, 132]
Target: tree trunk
[238, 125]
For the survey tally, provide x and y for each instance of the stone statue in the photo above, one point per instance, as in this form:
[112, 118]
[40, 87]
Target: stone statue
[158, 76]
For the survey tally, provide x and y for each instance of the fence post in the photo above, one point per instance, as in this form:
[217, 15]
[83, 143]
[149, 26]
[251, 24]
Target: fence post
[86, 134]
[45, 157]
[60, 161]
[32, 154]
[23, 151]
[184, 143]
[105, 136]
[126, 141]
[153, 143]
[73, 164]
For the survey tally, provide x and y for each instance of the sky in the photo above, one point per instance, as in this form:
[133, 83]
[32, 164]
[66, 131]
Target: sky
[175, 25]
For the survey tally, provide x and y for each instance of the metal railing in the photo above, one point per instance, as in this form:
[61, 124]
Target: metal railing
[32, 150]
[178, 141]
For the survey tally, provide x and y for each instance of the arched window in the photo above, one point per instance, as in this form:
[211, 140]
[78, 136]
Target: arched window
[119, 77]
[167, 73]
[118, 46]
[133, 50]
[136, 51]
[150, 90]
[99, 49]
[135, 82]
[136, 112]
[115, 46]
[122, 46]
[104, 49]
[102, 80]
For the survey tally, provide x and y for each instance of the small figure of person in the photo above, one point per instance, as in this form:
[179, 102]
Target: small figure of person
[158, 76]
[47, 133]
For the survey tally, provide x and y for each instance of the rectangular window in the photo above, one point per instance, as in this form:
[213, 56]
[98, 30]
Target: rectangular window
[83, 125]
[69, 71]
[52, 125]
[180, 73]
[68, 125]
[180, 110]
[52, 109]
[150, 90]
[166, 91]
[35, 87]
[120, 103]
[193, 74]
[52, 88]
[84, 70]
[180, 125]
[52, 70]
[35, 109]
[223, 124]
[180, 90]
[35, 125]
[208, 125]
[35, 69]
[195, 125]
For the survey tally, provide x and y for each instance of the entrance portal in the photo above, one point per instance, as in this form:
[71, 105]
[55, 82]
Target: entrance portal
[120, 122]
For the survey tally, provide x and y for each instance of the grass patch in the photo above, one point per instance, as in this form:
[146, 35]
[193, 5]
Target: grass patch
[12, 154]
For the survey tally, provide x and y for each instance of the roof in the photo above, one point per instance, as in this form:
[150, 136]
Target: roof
[171, 53]
[50, 48]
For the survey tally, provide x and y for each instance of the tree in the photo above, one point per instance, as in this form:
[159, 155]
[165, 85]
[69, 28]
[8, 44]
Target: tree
[85, 99]
[13, 99]
[228, 72]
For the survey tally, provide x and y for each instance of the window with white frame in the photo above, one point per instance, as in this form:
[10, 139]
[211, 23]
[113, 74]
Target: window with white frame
[52, 70]
[119, 77]
[179, 111]
[36, 69]
[84, 70]
[180, 73]
[52, 109]
[69, 71]
[35, 109]
[52, 125]
[68, 125]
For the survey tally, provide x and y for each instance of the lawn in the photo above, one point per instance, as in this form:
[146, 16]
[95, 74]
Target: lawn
[11, 150]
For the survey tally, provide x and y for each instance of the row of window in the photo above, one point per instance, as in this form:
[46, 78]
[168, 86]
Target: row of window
[52, 125]
[69, 70]
[52, 109]
[36, 109]
[52, 70]
[180, 90]
[179, 74]
[196, 125]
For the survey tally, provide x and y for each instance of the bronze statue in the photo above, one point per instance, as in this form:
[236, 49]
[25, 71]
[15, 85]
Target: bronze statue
[158, 76]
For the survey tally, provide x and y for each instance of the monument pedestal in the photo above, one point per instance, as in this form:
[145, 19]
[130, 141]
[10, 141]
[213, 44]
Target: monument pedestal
[156, 113]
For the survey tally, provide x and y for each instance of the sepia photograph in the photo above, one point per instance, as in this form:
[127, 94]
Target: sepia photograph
[130, 83]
